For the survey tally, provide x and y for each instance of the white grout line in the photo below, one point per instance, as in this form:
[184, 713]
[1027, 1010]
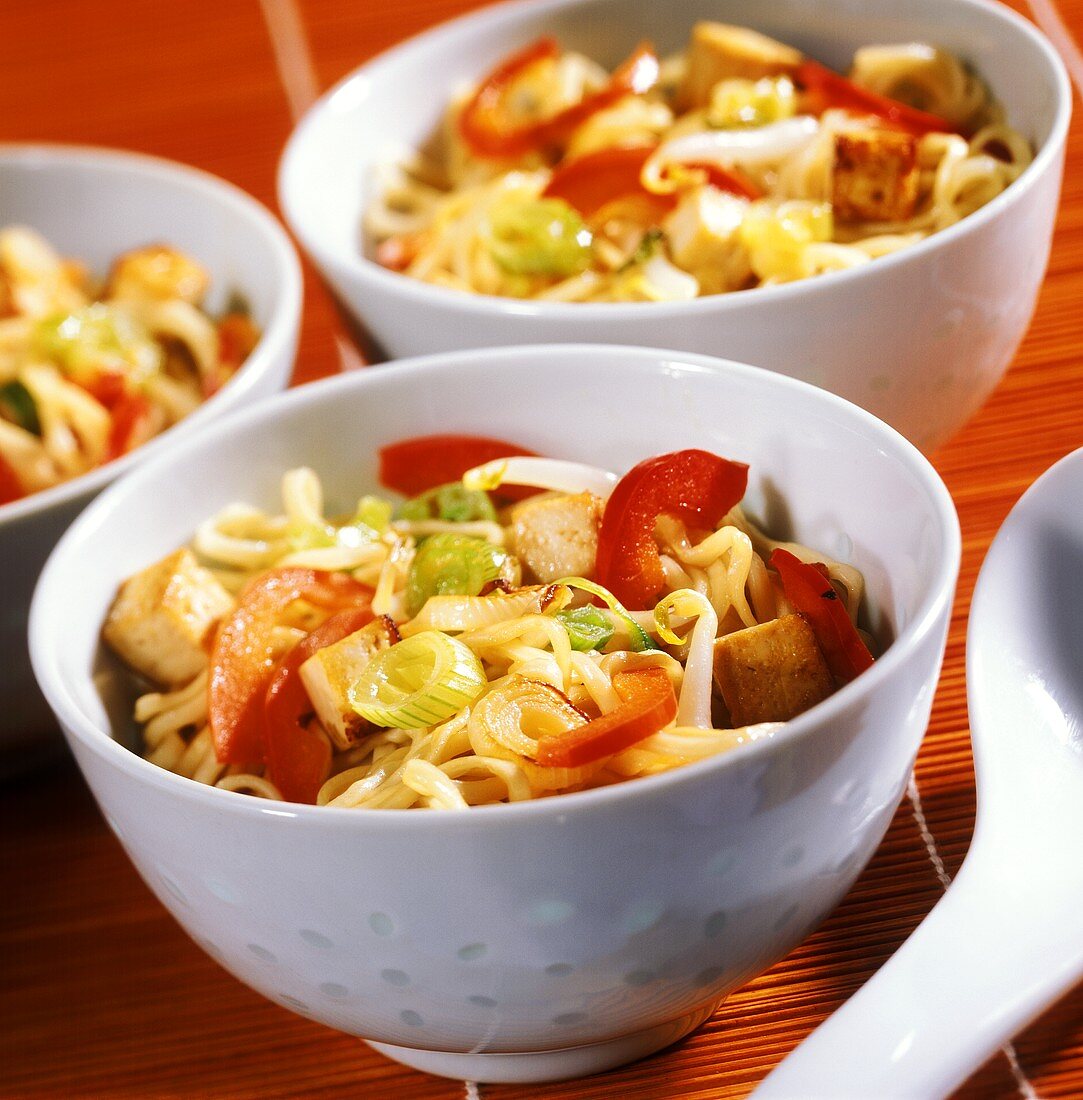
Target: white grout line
[293, 56]
[1026, 1089]
[1049, 19]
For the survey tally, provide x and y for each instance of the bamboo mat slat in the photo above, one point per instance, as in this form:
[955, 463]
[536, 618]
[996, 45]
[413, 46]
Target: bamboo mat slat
[101, 994]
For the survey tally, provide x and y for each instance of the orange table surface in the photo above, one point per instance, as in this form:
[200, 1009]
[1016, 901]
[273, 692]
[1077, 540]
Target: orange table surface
[101, 993]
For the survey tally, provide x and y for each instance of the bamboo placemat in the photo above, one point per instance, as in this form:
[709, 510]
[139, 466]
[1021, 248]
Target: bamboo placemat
[101, 993]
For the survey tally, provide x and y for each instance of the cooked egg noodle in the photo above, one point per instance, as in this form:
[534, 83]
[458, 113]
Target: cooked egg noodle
[444, 205]
[536, 684]
[60, 333]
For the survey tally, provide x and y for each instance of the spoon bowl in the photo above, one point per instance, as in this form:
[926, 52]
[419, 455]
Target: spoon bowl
[1006, 939]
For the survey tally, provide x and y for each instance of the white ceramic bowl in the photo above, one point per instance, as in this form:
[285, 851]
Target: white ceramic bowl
[92, 204]
[919, 338]
[565, 936]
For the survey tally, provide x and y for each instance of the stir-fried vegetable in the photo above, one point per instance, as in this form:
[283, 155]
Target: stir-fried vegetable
[540, 473]
[638, 639]
[487, 129]
[647, 704]
[17, 405]
[474, 612]
[696, 486]
[539, 237]
[810, 591]
[595, 179]
[587, 627]
[299, 756]
[449, 564]
[10, 486]
[737, 103]
[452, 503]
[237, 336]
[777, 236]
[412, 466]
[419, 681]
[131, 415]
[100, 337]
[241, 658]
[823, 88]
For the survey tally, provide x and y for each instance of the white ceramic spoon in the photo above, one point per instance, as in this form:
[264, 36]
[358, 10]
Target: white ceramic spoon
[1007, 937]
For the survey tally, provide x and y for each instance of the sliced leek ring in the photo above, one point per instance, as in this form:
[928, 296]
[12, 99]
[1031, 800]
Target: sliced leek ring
[420, 681]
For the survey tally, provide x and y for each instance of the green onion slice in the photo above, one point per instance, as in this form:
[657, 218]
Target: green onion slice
[17, 404]
[373, 513]
[418, 682]
[640, 639]
[453, 503]
[448, 564]
[539, 237]
[588, 628]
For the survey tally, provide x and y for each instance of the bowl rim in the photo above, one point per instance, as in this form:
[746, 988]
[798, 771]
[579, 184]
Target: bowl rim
[934, 606]
[283, 315]
[360, 267]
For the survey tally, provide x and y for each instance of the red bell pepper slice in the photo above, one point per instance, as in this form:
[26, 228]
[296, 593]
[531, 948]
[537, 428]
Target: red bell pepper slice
[398, 253]
[647, 704]
[241, 662]
[728, 179]
[824, 89]
[237, 336]
[695, 486]
[812, 594]
[595, 179]
[11, 488]
[485, 130]
[107, 387]
[298, 757]
[413, 466]
[130, 414]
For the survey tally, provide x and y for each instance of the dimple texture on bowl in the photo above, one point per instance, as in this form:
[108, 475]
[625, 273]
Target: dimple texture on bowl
[93, 204]
[919, 338]
[563, 936]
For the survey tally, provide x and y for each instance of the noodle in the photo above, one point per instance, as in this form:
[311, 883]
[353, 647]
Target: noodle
[539, 679]
[89, 372]
[752, 176]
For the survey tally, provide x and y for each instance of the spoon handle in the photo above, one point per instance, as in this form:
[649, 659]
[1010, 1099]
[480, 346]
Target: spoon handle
[980, 966]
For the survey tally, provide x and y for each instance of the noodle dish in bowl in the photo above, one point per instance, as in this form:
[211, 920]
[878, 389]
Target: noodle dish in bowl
[637, 713]
[138, 300]
[862, 197]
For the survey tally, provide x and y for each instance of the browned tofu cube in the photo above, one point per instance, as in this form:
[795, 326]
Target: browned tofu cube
[161, 617]
[557, 536]
[330, 672]
[771, 672]
[875, 176]
[156, 273]
[719, 51]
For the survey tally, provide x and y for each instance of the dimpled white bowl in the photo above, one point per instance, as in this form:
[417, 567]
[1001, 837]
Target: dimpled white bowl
[919, 338]
[568, 935]
[93, 204]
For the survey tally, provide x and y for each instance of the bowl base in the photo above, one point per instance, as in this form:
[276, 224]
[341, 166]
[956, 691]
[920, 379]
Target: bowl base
[534, 1067]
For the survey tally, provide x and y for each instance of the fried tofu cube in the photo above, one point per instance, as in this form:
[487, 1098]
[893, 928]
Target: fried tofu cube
[720, 51]
[771, 672]
[875, 176]
[156, 273]
[705, 239]
[557, 536]
[328, 674]
[160, 621]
